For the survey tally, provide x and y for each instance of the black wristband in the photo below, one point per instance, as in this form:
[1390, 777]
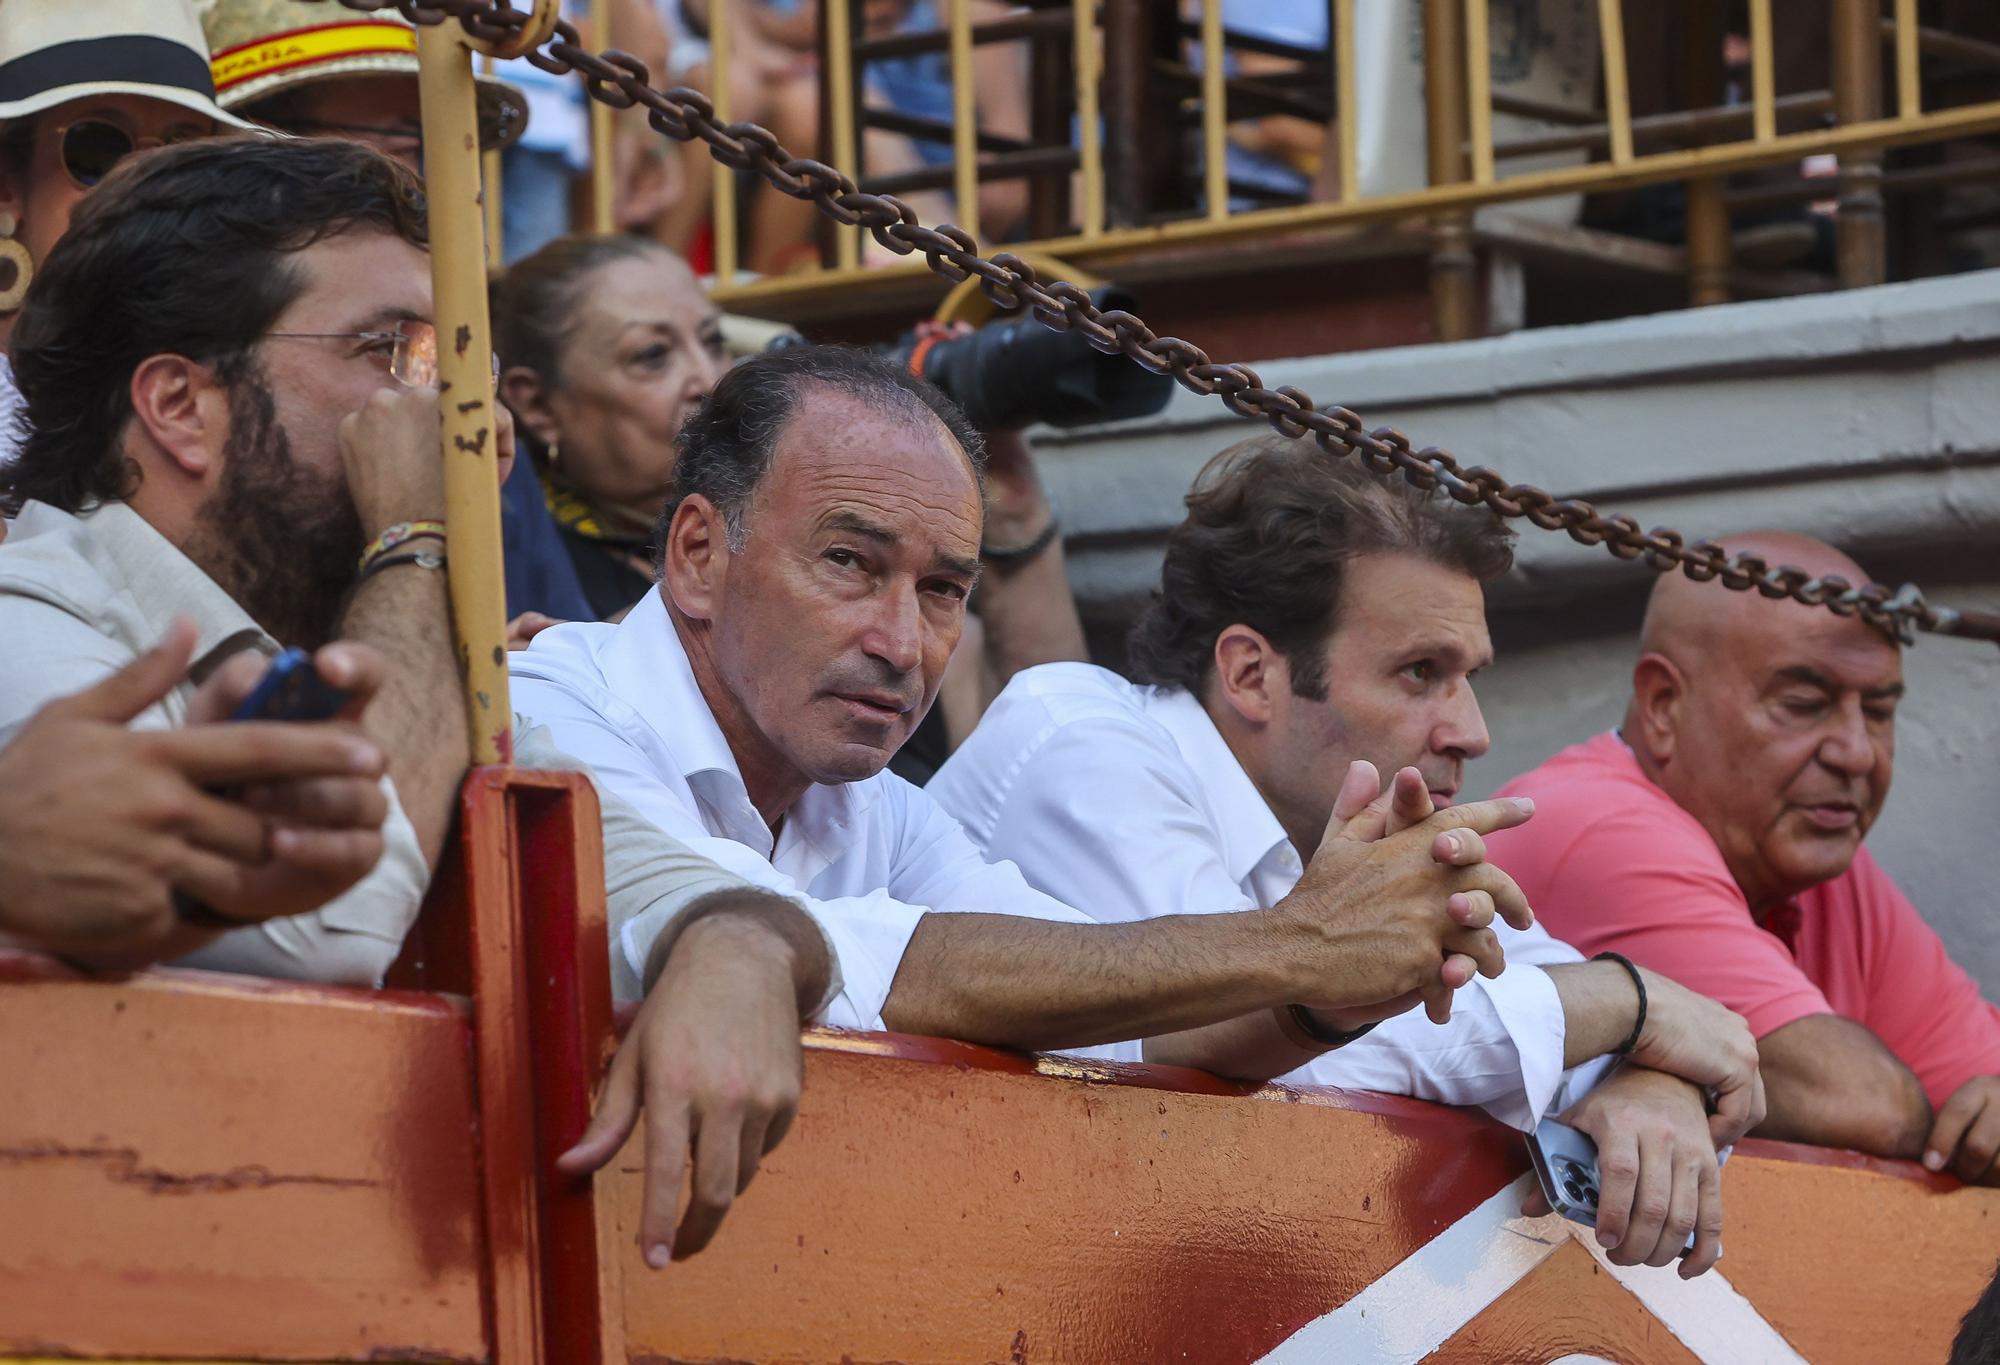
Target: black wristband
[1310, 1026]
[423, 559]
[1018, 554]
[1638, 984]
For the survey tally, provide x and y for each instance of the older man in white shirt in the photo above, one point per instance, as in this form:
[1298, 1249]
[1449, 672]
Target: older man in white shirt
[1312, 616]
[815, 565]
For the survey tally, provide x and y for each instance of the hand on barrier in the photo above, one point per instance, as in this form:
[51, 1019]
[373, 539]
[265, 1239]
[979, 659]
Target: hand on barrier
[1708, 1044]
[1658, 1176]
[1397, 916]
[1965, 1137]
[714, 1060]
[104, 824]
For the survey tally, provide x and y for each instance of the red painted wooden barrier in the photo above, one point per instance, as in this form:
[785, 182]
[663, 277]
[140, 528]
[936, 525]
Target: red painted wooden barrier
[214, 1168]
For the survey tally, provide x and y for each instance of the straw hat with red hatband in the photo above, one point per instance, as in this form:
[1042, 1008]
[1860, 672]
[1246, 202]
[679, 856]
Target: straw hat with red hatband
[321, 69]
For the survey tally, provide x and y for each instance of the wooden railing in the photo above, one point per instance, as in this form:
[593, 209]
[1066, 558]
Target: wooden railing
[1133, 83]
[206, 1168]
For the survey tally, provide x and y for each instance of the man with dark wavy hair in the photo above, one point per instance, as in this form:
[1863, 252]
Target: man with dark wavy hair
[213, 364]
[228, 368]
[1313, 617]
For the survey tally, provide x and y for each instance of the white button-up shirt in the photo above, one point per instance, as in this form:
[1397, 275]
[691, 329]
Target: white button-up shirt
[1126, 801]
[866, 859]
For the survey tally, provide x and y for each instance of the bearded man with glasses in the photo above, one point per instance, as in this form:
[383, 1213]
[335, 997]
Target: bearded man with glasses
[228, 369]
[82, 86]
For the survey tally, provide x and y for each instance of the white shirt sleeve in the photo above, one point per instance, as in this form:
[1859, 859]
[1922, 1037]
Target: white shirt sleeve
[1502, 1050]
[1111, 820]
[868, 933]
[650, 878]
[1123, 837]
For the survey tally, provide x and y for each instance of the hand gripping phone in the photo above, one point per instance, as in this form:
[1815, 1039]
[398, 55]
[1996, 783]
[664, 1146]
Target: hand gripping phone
[292, 689]
[1565, 1162]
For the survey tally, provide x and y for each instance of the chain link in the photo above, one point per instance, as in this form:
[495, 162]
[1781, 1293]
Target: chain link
[622, 81]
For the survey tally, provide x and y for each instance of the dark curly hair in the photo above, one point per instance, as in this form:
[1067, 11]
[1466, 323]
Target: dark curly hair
[1270, 523]
[185, 251]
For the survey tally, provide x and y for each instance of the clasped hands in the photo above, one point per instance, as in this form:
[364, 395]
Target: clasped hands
[1400, 898]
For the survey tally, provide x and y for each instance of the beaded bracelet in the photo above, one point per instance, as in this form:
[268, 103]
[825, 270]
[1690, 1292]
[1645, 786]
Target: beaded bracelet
[402, 533]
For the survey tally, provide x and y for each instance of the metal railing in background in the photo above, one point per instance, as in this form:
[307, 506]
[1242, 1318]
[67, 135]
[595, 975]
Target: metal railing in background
[1116, 84]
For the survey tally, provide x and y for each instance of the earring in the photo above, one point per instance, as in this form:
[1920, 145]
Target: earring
[17, 267]
[555, 453]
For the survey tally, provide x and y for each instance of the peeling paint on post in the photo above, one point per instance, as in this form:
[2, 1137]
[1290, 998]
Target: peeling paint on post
[471, 466]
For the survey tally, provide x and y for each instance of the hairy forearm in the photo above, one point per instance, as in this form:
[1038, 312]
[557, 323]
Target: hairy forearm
[1033, 984]
[1831, 1082]
[771, 917]
[419, 715]
[1030, 615]
[1600, 1005]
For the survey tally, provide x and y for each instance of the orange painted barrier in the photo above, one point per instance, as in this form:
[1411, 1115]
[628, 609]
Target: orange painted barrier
[201, 1167]
[936, 1202]
[213, 1168]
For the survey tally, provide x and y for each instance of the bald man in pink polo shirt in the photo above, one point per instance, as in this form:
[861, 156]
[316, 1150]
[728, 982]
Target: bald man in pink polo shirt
[1715, 837]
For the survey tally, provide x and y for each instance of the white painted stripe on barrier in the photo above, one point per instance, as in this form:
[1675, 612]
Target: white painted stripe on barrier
[1436, 1291]
[1707, 1314]
[1426, 1298]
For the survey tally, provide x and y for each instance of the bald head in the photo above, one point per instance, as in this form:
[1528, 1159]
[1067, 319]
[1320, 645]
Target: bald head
[1771, 722]
[1687, 618]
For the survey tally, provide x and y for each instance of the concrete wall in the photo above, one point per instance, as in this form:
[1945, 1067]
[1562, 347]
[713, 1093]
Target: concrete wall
[1870, 419]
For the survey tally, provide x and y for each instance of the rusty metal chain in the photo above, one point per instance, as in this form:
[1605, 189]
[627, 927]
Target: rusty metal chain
[622, 81]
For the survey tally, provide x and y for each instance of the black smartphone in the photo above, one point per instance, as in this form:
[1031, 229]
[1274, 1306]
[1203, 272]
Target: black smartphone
[292, 689]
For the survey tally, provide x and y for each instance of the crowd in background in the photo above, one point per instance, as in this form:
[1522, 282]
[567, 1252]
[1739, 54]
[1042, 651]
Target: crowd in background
[744, 590]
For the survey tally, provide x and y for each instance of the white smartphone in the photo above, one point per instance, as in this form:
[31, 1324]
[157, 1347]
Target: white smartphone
[1565, 1162]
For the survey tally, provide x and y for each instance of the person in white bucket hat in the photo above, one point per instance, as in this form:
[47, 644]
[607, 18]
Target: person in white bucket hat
[82, 86]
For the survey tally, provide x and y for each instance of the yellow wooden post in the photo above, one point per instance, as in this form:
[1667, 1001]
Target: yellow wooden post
[836, 16]
[964, 119]
[1479, 90]
[465, 385]
[722, 208]
[1347, 99]
[1909, 88]
[1214, 111]
[603, 167]
[1763, 84]
[489, 196]
[1617, 90]
[1090, 134]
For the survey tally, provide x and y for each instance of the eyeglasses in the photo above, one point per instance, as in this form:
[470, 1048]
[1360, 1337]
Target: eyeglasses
[91, 147]
[412, 348]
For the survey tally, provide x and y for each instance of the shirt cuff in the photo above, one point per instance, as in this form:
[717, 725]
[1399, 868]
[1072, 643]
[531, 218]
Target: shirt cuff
[870, 934]
[635, 937]
[1528, 1007]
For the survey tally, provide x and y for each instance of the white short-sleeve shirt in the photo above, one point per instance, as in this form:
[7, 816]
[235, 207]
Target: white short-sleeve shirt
[1125, 801]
